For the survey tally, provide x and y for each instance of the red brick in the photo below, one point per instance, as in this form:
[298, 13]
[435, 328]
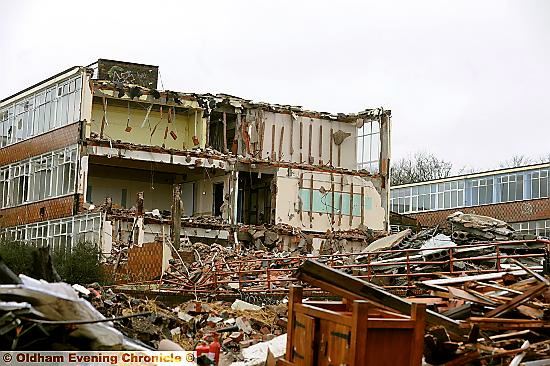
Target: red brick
[53, 140]
[510, 212]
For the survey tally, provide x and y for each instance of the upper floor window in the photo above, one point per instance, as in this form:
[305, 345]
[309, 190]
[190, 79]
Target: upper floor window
[368, 146]
[47, 109]
[511, 187]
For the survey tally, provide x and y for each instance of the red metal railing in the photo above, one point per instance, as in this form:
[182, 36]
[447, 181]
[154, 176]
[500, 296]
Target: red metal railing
[406, 267]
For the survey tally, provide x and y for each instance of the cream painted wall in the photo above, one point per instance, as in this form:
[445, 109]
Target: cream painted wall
[288, 203]
[117, 118]
[196, 195]
[291, 140]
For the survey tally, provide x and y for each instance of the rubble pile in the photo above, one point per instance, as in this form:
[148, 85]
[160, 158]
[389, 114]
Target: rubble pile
[505, 314]
[37, 315]
[469, 227]
[466, 247]
[216, 269]
[239, 324]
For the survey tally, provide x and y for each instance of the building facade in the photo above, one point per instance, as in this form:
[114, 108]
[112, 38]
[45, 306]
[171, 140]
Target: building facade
[519, 196]
[99, 154]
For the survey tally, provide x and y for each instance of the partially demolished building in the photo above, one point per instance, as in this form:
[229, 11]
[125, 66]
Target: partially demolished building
[99, 154]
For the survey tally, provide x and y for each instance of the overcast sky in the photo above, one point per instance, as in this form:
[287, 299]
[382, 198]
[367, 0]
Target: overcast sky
[468, 81]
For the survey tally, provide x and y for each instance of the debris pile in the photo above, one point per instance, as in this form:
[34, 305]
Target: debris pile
[470, 227]
[38, 315]
[506, 315]
[238, 324]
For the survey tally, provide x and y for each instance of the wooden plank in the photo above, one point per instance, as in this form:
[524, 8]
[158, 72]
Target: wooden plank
[462, 279]
[351, 203]
[281, 138]
[516, 301]
[330, 150]
[294, 297]
[310, 137]
[362, 205]
[508, 324]
[332, 199]
[224, 133]
[418, 316]
[320, 143]
[272, 143]
[341, 200]
[311, 202]
[301, 140]
[283, 362]
[464, 295]
[495, 286]
[291, 137]
[300, 186]
[343, 318]
[464, 358]
[304, 331]
[343, 285]
[531, 272]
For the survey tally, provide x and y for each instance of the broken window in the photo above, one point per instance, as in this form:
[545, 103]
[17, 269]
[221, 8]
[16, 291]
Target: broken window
[254, 206]
[368, 146]
[218, 199]
[342, 203]
[216, 131]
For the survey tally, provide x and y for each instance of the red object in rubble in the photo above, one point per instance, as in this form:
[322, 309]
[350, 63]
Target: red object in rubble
[214, 350]
[202, 348]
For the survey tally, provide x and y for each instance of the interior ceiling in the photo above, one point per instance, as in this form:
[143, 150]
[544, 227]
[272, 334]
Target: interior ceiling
[143, 171]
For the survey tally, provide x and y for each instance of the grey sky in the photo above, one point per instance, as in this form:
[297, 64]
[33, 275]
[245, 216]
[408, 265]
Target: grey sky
[466, 80]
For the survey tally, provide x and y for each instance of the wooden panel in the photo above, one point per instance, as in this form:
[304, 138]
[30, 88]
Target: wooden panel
[334, 344]
[388, 347]
[304, 331]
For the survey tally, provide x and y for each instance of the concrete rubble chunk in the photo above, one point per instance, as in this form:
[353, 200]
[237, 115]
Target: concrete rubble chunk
[256, 355]
[243, 325]
[243, 305]
[387, 242]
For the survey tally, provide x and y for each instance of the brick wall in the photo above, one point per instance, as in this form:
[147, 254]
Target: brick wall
[509, 212]
[53, 140]
[39, 211]
[144, 264]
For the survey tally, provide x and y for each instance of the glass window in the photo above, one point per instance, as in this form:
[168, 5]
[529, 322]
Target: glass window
[40, 112]
[368, 146]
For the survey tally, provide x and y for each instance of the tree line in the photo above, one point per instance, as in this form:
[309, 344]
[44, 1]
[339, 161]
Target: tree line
[423, 166]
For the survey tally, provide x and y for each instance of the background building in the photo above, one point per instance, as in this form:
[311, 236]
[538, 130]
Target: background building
[519, 196]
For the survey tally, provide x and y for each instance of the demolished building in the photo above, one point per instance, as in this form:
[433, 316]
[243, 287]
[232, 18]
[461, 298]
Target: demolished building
[99, 154]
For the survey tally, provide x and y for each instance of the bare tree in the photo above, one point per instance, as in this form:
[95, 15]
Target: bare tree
[516, 161]
[422, 166]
